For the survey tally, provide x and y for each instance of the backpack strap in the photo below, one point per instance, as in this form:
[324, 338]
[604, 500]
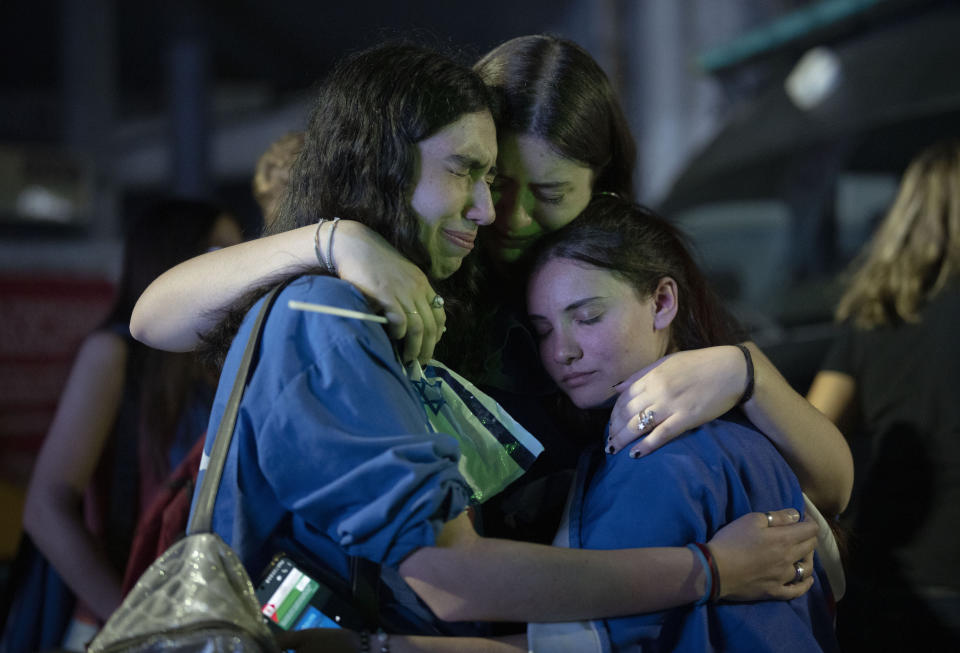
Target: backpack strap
[207, 492]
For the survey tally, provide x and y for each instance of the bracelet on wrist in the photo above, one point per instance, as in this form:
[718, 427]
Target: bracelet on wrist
[383, 639]
[325, 261]
[748, 388]
[317, 249]
[712, 590]
[330, 261]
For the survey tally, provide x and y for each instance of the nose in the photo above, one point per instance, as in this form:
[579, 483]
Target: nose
[481, 207]
[566, 350]
[512, 213]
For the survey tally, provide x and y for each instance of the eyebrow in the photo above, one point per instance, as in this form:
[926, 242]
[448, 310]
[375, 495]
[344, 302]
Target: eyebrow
[470, 162]
[551, 185]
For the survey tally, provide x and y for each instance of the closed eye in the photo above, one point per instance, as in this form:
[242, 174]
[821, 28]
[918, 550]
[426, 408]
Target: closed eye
[550, 199]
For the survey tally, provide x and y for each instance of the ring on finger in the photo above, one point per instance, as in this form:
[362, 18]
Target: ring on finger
[437, 302]
[769, 517]
[412, 313]
[798, 571]
[645, 419]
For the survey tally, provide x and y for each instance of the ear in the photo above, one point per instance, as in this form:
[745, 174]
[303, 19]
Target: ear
[665, 303]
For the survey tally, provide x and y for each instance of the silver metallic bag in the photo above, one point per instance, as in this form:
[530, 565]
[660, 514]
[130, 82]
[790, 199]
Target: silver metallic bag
[196, 597]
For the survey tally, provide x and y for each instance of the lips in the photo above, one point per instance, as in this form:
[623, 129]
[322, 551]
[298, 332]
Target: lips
[576, 379]
[464, 239]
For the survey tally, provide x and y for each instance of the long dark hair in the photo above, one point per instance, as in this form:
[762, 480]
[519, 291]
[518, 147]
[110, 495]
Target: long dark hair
[552, 88]
[641, 248]
[359, 158]
[165, 234]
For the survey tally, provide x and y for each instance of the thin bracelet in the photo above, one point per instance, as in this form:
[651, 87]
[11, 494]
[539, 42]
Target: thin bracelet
[748, 389]
[330, 262]
[317, 249]
[706, 572]
[383, 638]
[714, 573]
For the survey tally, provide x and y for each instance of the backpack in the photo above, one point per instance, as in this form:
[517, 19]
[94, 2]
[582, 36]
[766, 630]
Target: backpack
[165, 520]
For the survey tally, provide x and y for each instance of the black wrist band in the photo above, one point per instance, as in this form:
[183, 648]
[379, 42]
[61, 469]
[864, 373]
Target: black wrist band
[748, 389]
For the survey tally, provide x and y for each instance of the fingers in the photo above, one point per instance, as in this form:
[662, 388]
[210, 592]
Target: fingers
[413, 338]
[425, 324]
[659, 436]
[782, 517]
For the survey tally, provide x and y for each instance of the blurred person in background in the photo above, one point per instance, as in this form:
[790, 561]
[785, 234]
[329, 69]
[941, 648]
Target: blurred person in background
[892, 377]
[272, 174]
[126, 416]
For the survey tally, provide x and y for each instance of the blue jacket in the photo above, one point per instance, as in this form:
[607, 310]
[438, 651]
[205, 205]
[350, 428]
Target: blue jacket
[332, 455]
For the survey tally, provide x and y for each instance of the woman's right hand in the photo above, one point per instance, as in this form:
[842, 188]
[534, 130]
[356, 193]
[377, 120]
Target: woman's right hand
[393, 285]
[755, 556]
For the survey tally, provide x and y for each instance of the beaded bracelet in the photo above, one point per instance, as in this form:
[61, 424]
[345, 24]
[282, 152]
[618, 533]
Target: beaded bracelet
[383, 639]
[748, 389]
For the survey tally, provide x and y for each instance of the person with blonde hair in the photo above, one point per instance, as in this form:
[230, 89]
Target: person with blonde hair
[893, 372]
[272, 173]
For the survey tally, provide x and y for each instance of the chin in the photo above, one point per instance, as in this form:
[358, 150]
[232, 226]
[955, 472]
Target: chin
[588, 400]
[442, 270]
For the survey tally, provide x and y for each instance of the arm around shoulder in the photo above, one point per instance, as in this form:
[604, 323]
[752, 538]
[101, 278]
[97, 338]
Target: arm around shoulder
[811, 443]
[467, 577]
[185, 301]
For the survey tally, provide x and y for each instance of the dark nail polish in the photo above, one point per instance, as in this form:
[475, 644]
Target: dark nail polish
[610, 449]
[635, 454]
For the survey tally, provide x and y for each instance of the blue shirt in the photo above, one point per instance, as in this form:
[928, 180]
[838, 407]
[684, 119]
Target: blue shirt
[332, 455]
[685, 492]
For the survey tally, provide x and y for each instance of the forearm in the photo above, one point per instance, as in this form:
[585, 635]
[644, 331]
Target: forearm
[810, 443]
[486, 579]
[57, 528]
[327, 640]
[185, 301]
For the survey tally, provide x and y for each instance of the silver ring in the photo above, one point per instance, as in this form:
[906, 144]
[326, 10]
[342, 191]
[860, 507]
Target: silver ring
[645, 419]
[769, 519]
[798, 572]
[436, 302]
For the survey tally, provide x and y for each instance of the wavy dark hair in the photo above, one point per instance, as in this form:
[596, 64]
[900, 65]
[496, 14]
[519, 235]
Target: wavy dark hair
[552, 88]
[640, 248]
[359, 160]
[359, 155]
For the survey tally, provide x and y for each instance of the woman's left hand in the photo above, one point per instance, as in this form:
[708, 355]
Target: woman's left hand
[681, 391]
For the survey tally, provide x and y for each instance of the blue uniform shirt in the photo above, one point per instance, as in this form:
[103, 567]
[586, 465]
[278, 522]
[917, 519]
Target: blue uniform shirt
[685, 492]
[332, 455]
